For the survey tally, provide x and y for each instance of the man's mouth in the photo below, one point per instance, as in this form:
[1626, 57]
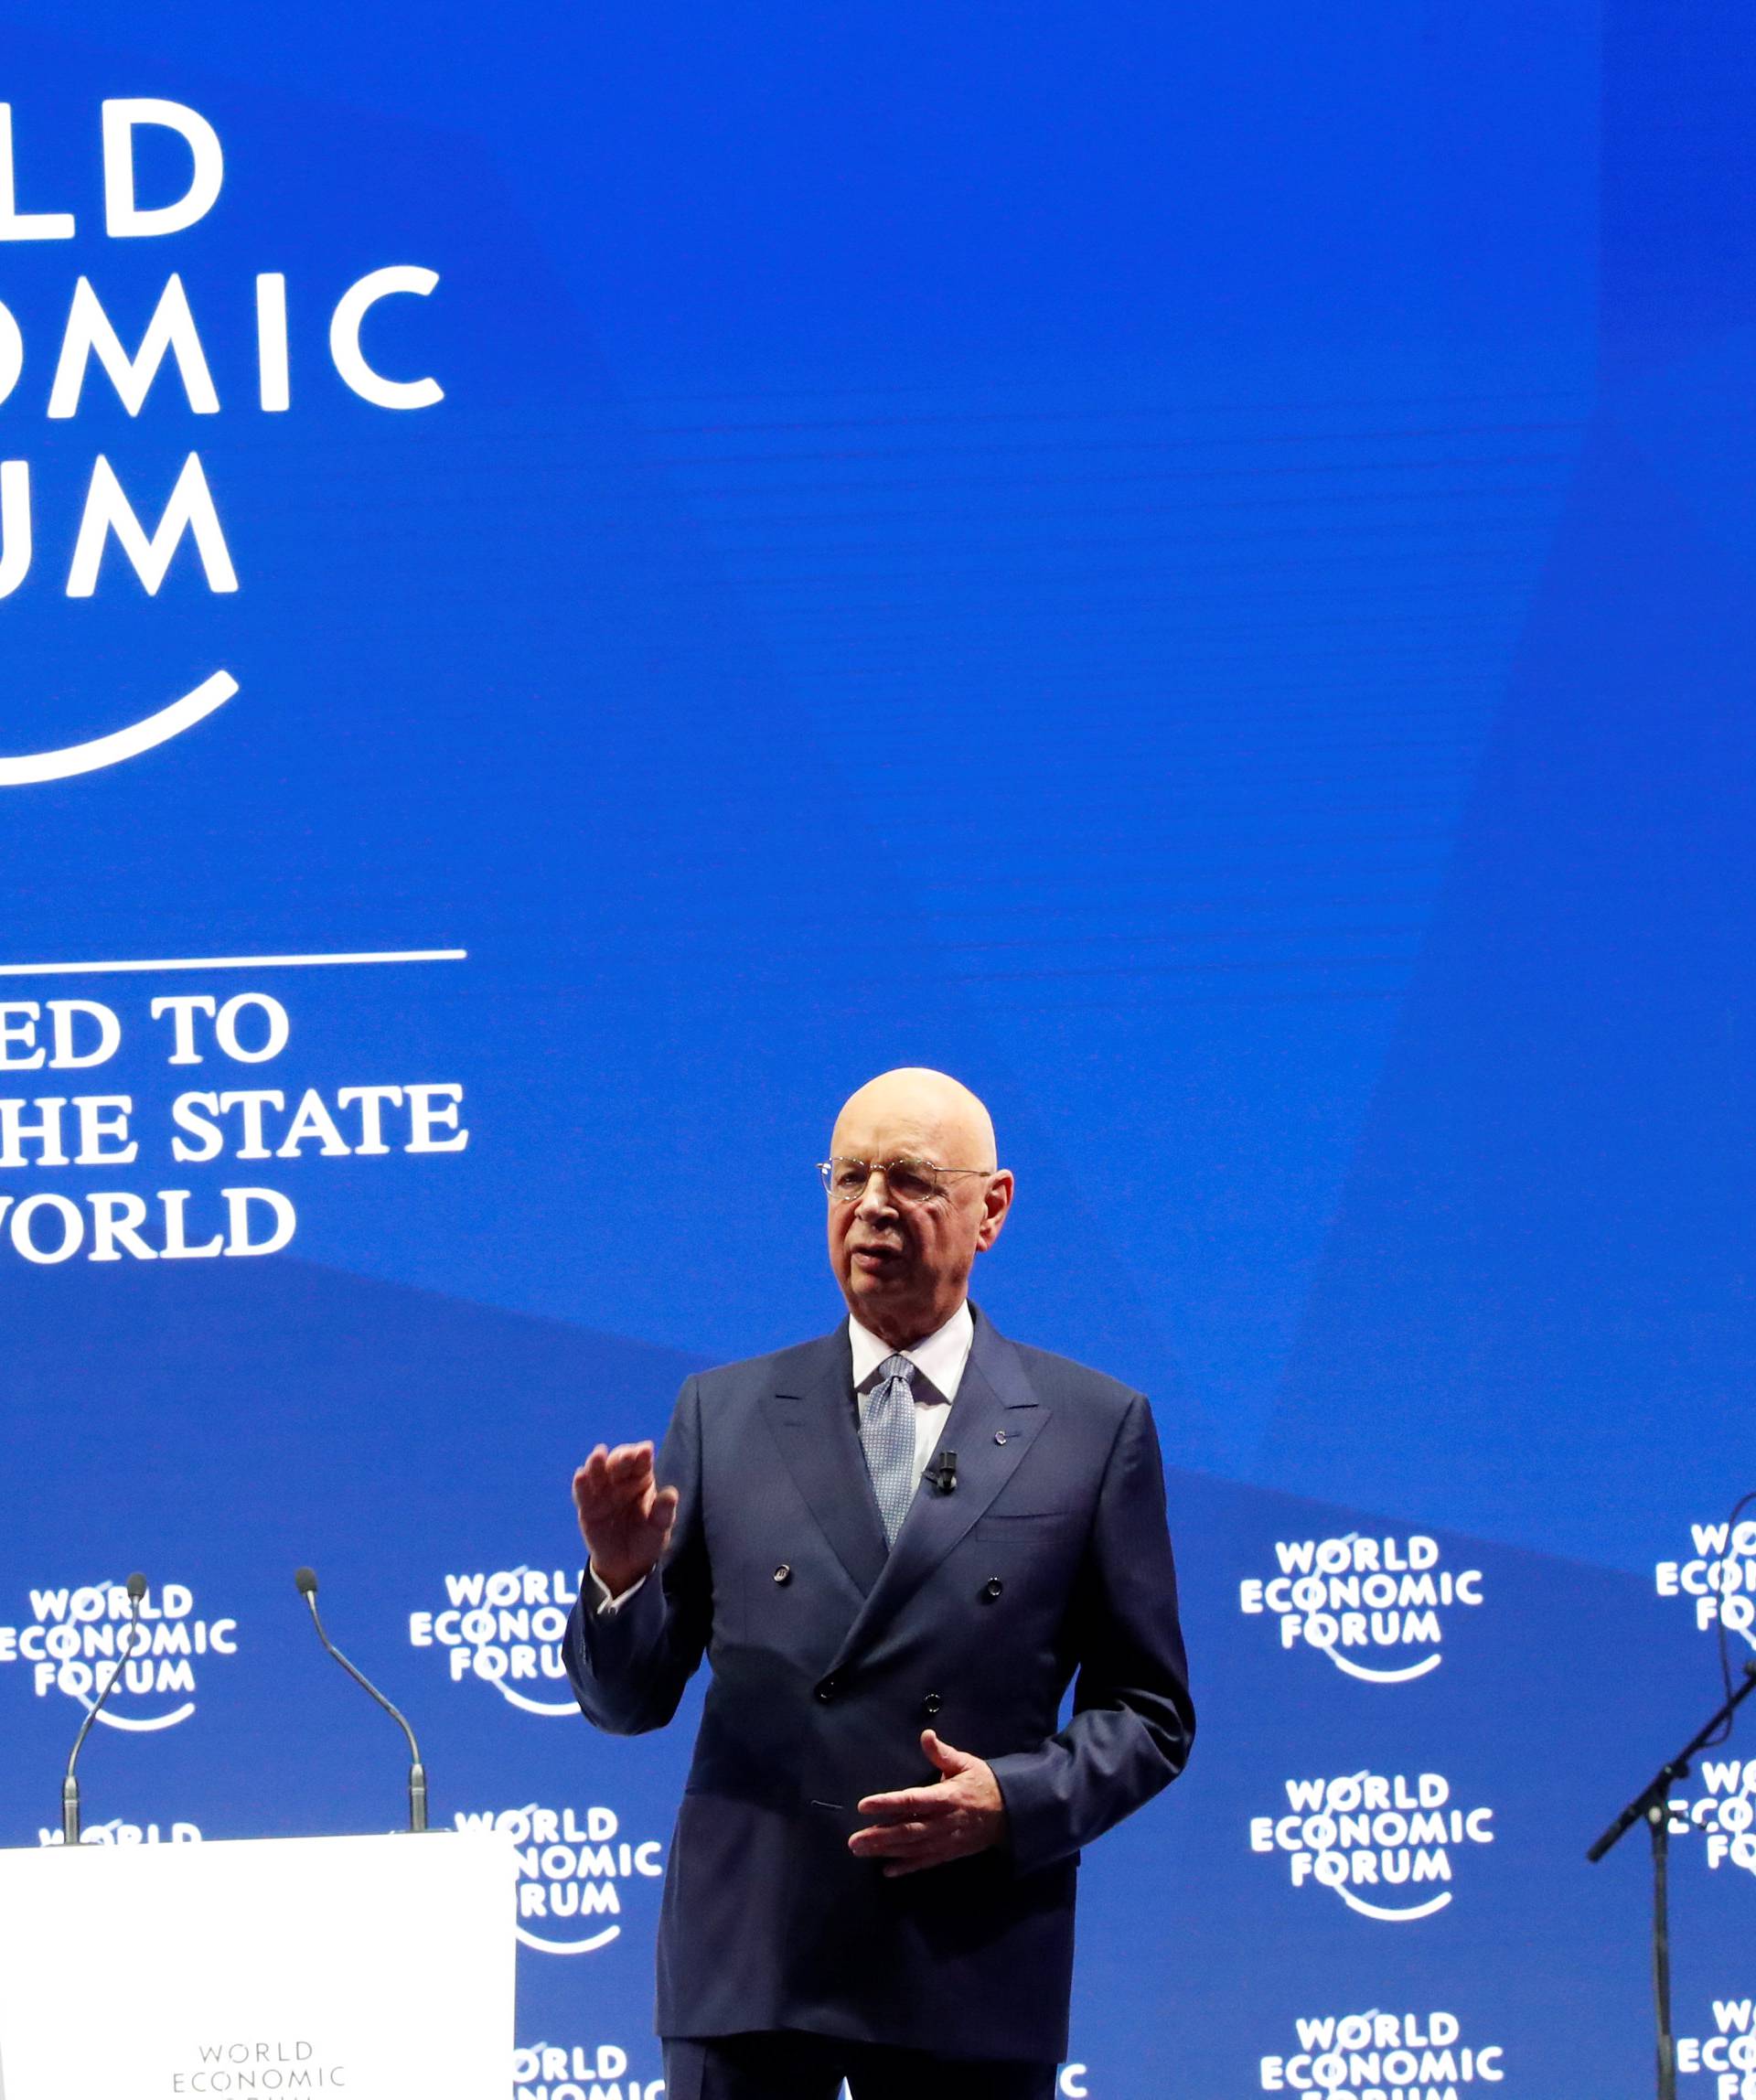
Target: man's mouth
[873, 1259]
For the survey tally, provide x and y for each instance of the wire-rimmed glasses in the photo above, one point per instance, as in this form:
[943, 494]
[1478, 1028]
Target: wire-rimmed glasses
[908, 1180]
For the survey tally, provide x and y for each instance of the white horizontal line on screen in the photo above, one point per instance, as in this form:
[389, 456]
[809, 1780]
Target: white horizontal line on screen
[232, 962]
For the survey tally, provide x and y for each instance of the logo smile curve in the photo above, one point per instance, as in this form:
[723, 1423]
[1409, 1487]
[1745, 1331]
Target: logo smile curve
[32, 766]
[137, 1727]
[531, 1706]
[1367, 1910]
[598, 1940]
[1371, 1676]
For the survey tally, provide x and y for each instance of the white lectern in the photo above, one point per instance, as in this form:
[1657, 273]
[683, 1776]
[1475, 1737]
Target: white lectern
[297, 1968]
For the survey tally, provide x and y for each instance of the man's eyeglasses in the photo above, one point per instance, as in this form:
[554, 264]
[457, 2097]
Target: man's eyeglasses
[908, 1180]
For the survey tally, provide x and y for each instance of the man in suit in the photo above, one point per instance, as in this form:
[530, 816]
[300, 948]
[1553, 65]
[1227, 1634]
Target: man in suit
[872, 1871]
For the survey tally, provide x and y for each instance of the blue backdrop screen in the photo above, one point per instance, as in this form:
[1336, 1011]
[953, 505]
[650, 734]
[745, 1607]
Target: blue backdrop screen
[575, 584]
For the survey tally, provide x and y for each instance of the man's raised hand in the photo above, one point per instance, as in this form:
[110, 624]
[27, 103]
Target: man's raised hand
[625, 1516]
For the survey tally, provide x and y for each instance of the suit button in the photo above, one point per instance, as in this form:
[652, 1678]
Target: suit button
[930, 1704]
[992, 1587]
[783, 1574]
[826, 1691]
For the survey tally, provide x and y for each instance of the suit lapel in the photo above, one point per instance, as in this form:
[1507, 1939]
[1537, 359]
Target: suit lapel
[811, 1414]
[992, 1423]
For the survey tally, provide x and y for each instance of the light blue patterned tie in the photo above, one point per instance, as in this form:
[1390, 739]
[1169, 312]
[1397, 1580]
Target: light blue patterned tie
[887, 1436]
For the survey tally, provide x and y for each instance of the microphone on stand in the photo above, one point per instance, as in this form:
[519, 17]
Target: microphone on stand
[306, 1580]
[69, 1783]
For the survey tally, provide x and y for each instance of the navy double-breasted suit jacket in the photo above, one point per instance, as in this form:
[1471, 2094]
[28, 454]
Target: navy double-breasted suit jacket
[1048, 1564]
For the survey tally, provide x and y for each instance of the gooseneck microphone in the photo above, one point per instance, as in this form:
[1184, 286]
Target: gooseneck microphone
[69, 1783]
[306, 1578]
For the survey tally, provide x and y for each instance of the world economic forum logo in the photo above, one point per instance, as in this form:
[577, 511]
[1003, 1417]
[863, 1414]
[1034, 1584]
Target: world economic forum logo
[1384, 1843]
[505, 1630]
[76, 1639]
[558, 2071]
[90, 345]
[122, 1836]
[1383, 2056]
[574, 1865]
[1377, 1607]
[1723, 1813]
[1718, 1579]
[1727, 2055]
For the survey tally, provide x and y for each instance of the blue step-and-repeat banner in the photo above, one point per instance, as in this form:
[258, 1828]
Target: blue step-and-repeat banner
[576, 582]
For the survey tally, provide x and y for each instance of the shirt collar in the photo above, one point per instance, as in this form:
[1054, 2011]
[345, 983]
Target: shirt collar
[940, 1358]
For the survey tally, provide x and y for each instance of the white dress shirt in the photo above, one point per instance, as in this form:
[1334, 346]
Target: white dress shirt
[940, 1360]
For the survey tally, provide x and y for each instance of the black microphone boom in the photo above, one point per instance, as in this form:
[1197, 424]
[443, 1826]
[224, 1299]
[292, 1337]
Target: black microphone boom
[70, 1785]
[306, 1580]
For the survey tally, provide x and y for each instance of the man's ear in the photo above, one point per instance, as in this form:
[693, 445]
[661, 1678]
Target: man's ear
[995, 1205]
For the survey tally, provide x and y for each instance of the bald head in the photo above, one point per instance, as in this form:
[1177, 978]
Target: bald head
[938, 1117]
[903, 1251]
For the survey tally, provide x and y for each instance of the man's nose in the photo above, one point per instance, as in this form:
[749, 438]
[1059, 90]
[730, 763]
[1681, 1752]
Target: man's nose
[875, 1199]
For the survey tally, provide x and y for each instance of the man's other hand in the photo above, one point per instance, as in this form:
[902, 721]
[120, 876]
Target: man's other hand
[926, 1826]
[625, 1516]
